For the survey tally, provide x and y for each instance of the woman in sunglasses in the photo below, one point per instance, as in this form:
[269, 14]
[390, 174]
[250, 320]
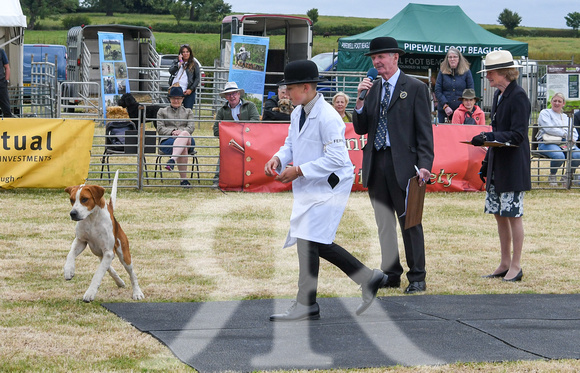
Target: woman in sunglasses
[185, 74]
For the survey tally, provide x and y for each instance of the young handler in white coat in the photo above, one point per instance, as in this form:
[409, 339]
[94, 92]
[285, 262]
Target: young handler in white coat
[322, 177]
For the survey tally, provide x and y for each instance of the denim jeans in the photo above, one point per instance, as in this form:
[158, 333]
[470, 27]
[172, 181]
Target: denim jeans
[554, 152]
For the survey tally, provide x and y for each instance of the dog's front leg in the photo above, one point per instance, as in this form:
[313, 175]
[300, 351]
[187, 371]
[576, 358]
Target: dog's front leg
[76, 249]
[98, 277]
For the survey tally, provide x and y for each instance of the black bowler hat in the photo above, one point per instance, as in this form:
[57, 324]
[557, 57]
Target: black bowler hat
[303, 71]
[384, 44]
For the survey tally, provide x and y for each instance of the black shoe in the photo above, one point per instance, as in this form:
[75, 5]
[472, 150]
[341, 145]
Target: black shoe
[369, 290]
[415, 287]
[515, 279]
[393, 282]
[298, 312]
[170, 165]
[185, 184]
[496, 275]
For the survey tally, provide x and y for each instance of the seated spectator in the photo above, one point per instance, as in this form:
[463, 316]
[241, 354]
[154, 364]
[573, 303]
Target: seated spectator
[235, 109]
[468, 112]
[553, 136]
[176, 132]
[340, 102]
[278, 107]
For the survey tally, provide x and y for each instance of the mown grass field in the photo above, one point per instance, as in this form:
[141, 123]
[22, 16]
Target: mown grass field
[205, 245]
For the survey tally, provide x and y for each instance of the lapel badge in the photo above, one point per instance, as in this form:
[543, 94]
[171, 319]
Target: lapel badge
[403, 95]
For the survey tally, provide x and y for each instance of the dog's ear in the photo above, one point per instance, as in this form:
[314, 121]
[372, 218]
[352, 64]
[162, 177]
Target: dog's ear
[69, 189]
[97, 192]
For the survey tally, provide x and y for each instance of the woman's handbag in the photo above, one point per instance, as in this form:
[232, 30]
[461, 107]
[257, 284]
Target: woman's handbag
[551, 139]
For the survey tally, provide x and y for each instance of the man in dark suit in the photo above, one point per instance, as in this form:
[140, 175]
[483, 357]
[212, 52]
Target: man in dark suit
[397, 119]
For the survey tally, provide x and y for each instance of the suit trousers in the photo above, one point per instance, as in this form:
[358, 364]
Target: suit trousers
[309, 254]
[387, 198]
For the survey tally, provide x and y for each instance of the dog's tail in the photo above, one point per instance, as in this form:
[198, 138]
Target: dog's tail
[114, 191]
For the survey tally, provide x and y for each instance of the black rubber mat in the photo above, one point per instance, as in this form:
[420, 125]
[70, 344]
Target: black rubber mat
[405, 330]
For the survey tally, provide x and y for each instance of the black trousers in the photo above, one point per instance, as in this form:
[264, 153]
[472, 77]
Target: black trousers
[5, 100]
[309, 254]
[387, 197]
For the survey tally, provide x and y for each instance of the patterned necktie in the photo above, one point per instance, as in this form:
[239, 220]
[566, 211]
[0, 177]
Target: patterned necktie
[302, 119]
[381, 135]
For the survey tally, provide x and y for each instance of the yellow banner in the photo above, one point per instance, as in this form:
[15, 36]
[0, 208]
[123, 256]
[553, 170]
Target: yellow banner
[44, 153]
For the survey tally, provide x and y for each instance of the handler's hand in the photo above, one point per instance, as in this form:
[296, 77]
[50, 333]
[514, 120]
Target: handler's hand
[424, 175]
[271, 166]
[448, 111]
[289, 174]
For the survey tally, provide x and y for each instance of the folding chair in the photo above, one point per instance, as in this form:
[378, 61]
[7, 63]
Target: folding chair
[115, 139]
[194, 165]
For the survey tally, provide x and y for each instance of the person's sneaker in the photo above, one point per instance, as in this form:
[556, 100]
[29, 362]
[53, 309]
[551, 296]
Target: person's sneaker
[185, 184]
[552, 181]
[564, 180]
[170, 165]
[576, 180]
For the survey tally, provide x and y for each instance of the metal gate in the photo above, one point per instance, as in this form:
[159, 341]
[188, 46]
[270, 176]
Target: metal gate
[43, 88]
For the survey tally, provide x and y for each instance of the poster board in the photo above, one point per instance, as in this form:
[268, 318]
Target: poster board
[114, 77]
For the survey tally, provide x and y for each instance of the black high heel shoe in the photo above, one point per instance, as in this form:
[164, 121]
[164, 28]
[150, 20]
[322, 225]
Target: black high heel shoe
[517, 278]
[496, 275]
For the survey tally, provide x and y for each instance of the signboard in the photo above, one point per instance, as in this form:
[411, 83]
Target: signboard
[248, 66]
[246, 147]
[114, 77]
[564, 79]
[44, 153]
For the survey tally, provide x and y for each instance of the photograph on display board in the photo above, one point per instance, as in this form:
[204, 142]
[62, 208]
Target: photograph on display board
[109, 85]
[107, 69]
[112, 50]
[111, 100]
[249, 56]
[121, 87]
[120, 70]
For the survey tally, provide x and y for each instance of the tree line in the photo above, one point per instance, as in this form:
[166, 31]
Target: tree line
[194, 10]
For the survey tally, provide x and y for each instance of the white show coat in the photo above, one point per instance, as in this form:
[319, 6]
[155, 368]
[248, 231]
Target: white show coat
[320, 150]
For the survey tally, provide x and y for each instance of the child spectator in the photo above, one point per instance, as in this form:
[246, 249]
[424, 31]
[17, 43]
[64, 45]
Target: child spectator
[468, 112]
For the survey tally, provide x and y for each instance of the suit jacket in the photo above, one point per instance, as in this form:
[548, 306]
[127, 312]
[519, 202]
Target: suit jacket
[408, 123]
[248, 111]
[509, 121]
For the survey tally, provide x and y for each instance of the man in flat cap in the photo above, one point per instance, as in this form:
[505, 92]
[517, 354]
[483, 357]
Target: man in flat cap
[396, 116]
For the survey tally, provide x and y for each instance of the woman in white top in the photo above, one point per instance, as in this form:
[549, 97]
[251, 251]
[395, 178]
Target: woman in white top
[553, 122]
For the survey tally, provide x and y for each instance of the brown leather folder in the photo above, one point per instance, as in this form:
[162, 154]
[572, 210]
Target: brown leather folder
[414, 202]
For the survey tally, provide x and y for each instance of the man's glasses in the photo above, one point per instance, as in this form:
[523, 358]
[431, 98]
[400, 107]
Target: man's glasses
[232, 94]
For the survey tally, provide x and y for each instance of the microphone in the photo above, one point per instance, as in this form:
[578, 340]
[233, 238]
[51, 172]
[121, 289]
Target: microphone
[372, 75]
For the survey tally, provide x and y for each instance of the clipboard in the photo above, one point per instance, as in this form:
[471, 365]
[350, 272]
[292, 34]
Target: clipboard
[493, 144]
[414, 202]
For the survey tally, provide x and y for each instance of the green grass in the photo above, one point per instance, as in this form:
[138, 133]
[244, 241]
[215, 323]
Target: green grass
[206, 46]
[204, 245]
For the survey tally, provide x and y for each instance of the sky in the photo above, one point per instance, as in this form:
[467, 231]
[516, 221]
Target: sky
[534, 13]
